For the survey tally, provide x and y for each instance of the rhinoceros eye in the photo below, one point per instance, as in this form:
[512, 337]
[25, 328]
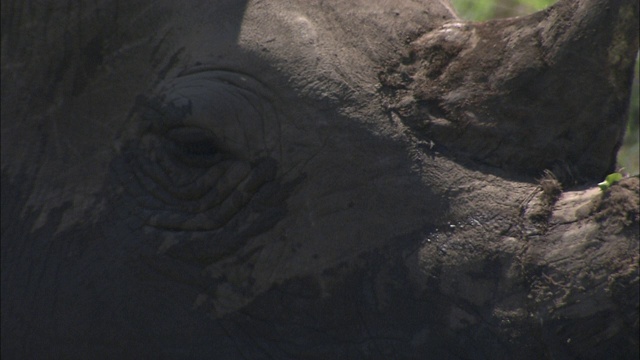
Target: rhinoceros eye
[193, 141]
[198, 157]
[234, 108]
[194, 146]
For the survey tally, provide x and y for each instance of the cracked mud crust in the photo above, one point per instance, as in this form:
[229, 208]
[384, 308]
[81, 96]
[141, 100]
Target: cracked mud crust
[615, 210]
[568, 261]
[618, 207]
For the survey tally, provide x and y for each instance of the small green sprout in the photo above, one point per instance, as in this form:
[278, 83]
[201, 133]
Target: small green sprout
[610, 180]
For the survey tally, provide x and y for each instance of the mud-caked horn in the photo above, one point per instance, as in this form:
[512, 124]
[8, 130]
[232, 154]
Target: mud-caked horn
[545, 91]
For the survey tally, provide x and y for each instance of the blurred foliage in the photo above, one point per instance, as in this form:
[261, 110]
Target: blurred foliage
[491, 9]
[629, 154]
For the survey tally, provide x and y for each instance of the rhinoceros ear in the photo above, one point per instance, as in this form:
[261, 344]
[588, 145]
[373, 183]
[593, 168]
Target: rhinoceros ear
[545, 91]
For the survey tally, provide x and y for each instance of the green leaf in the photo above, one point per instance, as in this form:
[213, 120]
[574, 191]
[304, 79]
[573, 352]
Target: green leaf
[613, 178]
[610, 180]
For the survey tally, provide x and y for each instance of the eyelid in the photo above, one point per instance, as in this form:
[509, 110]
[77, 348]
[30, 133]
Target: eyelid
[232, 106]
[186, 134]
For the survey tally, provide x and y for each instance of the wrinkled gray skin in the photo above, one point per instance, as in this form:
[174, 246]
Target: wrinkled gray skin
[222, 180]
